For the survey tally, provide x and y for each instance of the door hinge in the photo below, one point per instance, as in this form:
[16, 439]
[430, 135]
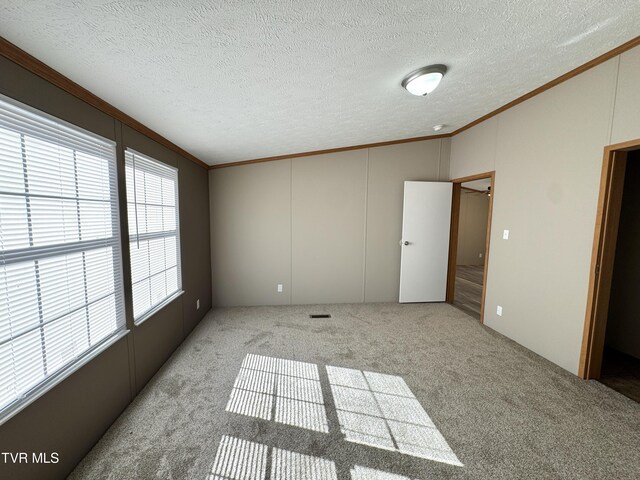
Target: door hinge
[597, 269]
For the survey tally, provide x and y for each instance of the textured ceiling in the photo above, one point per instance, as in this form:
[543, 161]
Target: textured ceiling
[236, 80]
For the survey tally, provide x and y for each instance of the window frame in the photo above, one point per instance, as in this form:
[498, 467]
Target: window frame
[23, 120]
[135, 236]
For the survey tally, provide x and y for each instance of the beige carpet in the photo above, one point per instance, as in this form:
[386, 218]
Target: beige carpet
[377, 392]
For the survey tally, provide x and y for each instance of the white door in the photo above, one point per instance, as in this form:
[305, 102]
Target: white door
[426, 224]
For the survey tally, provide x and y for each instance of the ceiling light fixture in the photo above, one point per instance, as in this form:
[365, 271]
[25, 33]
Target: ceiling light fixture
[424, 80]
[437, 128]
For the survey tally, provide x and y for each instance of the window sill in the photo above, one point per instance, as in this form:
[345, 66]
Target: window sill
[31, 396]
[150, 313]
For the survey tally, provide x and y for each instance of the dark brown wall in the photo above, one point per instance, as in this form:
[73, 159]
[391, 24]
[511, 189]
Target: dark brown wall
[71, 417]
[623, 324]
[194, 232]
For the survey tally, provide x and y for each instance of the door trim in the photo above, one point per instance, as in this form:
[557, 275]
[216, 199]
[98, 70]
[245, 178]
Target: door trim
[453, 237]
[603, 256]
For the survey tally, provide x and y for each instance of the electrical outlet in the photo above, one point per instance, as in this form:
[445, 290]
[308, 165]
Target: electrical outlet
[480, 255]
[198, 304]
[499, 310]
[505, 235]
[280, 288]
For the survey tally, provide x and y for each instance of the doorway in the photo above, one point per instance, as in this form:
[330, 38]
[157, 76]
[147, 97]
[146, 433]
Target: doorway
[469, 243]
[611, 341]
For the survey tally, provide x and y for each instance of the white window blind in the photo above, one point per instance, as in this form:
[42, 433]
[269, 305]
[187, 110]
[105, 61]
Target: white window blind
[60, 263]
[152, 204]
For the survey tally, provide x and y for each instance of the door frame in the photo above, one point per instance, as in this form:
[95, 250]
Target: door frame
[602, 256]
[453, 237]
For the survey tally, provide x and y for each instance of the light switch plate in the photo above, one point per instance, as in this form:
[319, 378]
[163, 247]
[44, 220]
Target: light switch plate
[499, 310]
[280, 288]
[505, 235]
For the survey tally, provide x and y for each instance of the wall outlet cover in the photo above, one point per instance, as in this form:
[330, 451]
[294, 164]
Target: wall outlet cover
[280, 288]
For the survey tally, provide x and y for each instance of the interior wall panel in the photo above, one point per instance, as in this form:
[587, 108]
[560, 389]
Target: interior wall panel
[251, 234]
[328, 197]
[193, 185]
[155, 340]
[626, 113]
[472, 228]
[477, 146]
[548, 164]
[445, 160]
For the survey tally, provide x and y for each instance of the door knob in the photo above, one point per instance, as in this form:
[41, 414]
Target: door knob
[406, 243]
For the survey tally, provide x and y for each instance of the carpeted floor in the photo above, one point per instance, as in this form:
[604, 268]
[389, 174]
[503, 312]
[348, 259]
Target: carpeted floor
[501, 411]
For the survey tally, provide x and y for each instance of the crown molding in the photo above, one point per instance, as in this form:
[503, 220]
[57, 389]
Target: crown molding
[329, 150]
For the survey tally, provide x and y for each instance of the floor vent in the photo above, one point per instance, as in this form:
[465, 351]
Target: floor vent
[320, 315]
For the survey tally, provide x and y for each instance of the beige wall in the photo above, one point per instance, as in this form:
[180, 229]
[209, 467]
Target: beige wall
[250, 210]
[327, 227]
[328, 220]
[626, 118]
[472, 228]
[477, 146]
[549, 148]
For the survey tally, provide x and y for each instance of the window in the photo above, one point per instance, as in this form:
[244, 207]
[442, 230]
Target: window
[152, 204]
[60, 262]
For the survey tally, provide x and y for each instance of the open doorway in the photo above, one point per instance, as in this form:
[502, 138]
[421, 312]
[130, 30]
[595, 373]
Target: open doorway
[472, 244]
[611, 346]
[469, 244]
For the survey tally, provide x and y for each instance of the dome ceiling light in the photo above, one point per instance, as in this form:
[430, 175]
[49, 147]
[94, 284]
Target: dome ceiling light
[423, 81]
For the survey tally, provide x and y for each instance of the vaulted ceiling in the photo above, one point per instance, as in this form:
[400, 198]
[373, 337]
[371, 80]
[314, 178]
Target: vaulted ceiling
[237, 80]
